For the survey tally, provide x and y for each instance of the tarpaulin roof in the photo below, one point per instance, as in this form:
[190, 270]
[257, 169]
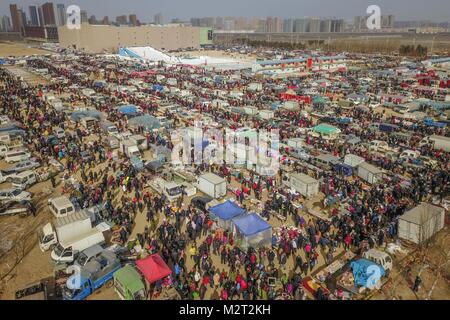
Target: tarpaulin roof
[325, 129]
[227, 210]
[366, 273]
[127, 109]
[158, 87]
[78, 115]
[250, 224]
[147, 121]
[153, 268]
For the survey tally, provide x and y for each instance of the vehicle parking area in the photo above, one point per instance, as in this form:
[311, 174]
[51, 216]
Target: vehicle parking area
[92, 153]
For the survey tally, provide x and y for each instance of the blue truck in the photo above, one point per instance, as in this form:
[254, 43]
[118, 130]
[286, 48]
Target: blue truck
[92, 276]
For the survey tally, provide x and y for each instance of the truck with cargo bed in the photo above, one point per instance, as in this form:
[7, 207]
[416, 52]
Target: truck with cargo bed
[129, 148]
[212, 185]
[171, 190]
[95, 274]
[436, 142]
[67, 250]
[108, 127]
[64, 228]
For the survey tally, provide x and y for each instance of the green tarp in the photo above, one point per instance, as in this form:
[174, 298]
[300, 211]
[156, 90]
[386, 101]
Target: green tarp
[325, 129]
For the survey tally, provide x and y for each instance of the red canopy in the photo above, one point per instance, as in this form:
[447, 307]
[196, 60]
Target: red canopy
[153, 268]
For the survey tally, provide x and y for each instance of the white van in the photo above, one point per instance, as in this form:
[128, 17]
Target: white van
[16, 156]
[4, 149]
[10, 139]
[24, 179]
[67, 251]
[59, 132]
[61, 206]
[409, 154]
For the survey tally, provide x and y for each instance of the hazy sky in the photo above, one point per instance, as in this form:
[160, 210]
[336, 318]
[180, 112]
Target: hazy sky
[436, 10]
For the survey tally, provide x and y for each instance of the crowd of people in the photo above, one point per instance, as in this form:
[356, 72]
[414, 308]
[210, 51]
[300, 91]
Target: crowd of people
[206, 262]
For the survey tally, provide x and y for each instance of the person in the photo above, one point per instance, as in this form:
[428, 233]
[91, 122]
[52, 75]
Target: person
[417, 283]
[52, 179]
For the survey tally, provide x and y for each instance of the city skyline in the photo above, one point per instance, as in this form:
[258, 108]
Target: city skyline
[438, 10]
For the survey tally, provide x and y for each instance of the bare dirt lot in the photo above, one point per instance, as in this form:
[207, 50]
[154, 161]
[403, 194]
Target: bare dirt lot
[17, 49]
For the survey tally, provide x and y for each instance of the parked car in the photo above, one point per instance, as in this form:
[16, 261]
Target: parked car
[17, 156]
[24, 166]
[201, 202]
[14, 194]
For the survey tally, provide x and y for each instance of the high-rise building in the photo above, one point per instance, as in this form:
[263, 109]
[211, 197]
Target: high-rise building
[105, 20]
[207, 22]
[300, 25]
[195, 22]
[288, 25]
[262, 25]
[5, 24]
[270, 24]
[48, 13]
[387, 21]
[229, 24]
[15, 17]
[132, 19]
[23, 17]
[219, 23]
[253, 23]
[158, 19]
[84, 16]
[278, 24]
[313, 25]
[325, 25]
[60, 14]
[92, 19]
[241, 23]
[34, 18]
[337, 25]
[121, 20]
[41, 17]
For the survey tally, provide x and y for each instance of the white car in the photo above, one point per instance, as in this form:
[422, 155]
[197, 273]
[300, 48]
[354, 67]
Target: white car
[18, 195]
[4, 120]
[25, 165]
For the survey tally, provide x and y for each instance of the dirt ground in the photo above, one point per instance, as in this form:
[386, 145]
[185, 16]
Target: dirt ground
[18, 49]
[22, 262]
[433, 265]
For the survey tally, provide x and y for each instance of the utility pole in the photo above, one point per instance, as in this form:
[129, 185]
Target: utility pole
[432, 45]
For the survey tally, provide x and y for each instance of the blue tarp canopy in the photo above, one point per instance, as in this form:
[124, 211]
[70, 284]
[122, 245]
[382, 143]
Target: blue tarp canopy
[147, 121]
[344, 168]
[78, 115]
[227, 210]
[99, 83]
[366, 273]
[127, 109]
[250, 224]
[431, 122]
[158, 87]
[124, 52]
[275, 105]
